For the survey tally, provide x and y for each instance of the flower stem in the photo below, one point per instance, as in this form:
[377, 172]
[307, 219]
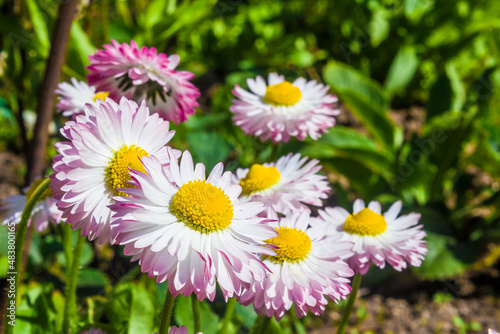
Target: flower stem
[20, 237]
[228, 315]
[350, 303]
[166, 313]
[265, 324]
[71, 280]
[67, 242]
[195, 303]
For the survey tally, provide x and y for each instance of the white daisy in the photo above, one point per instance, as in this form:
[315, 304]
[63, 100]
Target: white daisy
[103, 144]
[190, 230]
[73, 97]
[377, 238]
[280, 110]
[307, 268]
[285, 186]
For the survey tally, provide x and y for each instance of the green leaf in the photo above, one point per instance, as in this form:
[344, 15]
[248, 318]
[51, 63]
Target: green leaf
[89, 277]
[154, 13]
[365, 99]
[440, 97]
[343, 142]
[379, 26]
[80, 48]
[39, 21]
[441, 260]
[246, 314]
[209, 148]
[402, 69]
[131, 310]
[415, 9]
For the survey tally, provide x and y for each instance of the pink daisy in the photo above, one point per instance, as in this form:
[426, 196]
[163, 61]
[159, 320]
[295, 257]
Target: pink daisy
[94, 331]
[306, 269]
[190, 230]
[280, 109]
[377, 238]
[74, 96]
[103, 144]
[126, 70]
[285, 186]
[44, 212]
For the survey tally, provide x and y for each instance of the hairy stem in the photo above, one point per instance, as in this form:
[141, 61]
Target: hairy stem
[166, 313]
[71, 280]
[350, 303]
[20, 237]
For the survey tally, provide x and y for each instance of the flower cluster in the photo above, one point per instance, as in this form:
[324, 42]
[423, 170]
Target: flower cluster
[250, 233]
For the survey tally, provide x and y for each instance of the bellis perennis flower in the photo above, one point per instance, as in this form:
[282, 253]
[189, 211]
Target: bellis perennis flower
[280, 110]
[306, 269]
[94, 331]
[44, 212]
[191, 230]
[285, 186]
[74, 96]
[126, 70]
[103, 144]
[377, 238]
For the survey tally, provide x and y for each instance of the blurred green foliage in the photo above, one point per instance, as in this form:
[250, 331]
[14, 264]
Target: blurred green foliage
[381, 57]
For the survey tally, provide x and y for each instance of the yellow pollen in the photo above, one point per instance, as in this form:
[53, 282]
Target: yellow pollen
[117, 171]
[365, 222]
[202, 206]
[101, 96]
[282, 94]
[294, 245]
[46, 194]
[259, 178]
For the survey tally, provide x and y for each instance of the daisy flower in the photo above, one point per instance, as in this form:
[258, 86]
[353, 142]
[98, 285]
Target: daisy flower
[378, 238]
[44, 212]
[126, 70]
[285, 186]
[74, 96]
[103, 144]
[280, 109]
[180, 330]
[306, 269]
[94, 331]
[190, 230]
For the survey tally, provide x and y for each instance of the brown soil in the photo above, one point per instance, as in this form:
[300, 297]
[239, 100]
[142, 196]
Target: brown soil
[10, 177]
[466, 304]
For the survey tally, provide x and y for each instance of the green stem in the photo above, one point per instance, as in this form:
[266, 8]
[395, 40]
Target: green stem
[274, 152]
[264, 326]
[228, 315]
[350, 303]
[67, 242]
[71, 280]
[20, 236]
[166, 313]
[299, 327]
[195, 303]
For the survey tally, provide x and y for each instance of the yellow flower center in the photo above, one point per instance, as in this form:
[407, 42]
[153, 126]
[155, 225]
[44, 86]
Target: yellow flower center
[202, 206]
[259, 178]
[117, 171]
[101, 96]
[282, 94]
[294, 245]
[46, 194]
[365, 222]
